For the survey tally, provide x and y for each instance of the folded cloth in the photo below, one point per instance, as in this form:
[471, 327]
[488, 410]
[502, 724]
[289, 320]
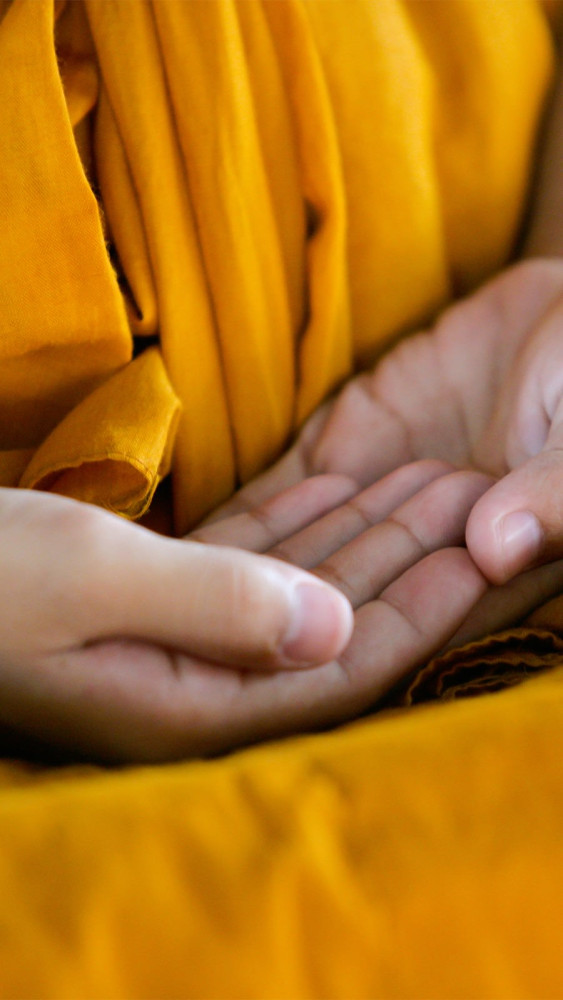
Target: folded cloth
[414, 854]
[211, 213]
[273, 190]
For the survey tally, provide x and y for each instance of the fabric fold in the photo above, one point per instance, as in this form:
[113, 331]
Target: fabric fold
[235, 220]
[284, 187]
[324, 345]
[483, 123]
[64, 328]
[115, 447]
[143, 184]
[13, 464]
[497, 662]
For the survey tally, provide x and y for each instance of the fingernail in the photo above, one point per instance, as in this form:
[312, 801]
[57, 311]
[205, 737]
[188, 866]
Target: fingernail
[321, 624]
[521, 539]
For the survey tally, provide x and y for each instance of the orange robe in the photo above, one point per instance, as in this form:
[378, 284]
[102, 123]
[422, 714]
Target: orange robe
[262, 195]
[282, 188]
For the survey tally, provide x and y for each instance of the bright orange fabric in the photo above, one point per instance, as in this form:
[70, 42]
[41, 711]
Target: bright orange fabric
[416, 855]
[275, 190]
[285, 187]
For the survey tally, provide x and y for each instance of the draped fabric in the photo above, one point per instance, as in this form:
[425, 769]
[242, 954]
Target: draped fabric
[272, 191]
[211, 214]
[416, 856]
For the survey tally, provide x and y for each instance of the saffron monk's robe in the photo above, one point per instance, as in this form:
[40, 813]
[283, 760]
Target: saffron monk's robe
[259, 196]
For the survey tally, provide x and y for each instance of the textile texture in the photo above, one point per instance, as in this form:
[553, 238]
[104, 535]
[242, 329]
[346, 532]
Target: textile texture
[212, 214]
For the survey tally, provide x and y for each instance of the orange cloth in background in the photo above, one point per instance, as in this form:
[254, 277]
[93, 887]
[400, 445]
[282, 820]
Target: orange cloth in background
[268, 193]
[416, 855]
[285, 187]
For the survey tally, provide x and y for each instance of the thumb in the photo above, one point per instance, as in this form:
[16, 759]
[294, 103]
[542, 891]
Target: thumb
[518, 523]
[91, 577]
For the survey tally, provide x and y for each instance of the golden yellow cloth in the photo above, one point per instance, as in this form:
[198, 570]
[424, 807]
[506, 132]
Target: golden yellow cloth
[419, 855]
[285, 187]
[275, 190]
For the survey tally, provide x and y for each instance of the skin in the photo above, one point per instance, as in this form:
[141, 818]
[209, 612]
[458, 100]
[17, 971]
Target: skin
[144, 648]
[115, 666]
[148, 648]
[485, 390]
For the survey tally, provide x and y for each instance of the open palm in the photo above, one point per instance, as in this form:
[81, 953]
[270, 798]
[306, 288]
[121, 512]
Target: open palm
[418, 457]
[483, 389]
[120, 644]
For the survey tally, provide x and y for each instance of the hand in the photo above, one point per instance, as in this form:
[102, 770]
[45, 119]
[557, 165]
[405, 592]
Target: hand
[483, 389]
[123, 645]
[99, 616]
[394, 550]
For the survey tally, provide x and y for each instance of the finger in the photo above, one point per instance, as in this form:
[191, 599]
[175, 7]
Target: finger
[314, 544]
[518, 523]
[291, 469]
[262, 527]
[413, 618]
[434, 518]
[361, 436]
[125, 700]
[87, 575]
[129, 701]
[505, 607]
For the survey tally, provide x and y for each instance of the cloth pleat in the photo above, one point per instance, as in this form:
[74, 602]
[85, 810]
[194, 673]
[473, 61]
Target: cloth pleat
[213, 213]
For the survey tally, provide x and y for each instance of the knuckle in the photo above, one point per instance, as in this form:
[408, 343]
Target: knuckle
[78, 527]
[263, 522]
[330, 573]
[252, 613]
[83, 538]
[415, 539]
[281, 552]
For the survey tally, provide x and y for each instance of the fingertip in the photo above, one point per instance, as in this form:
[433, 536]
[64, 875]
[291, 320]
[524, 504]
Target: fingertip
[320, 627]
[520, 538]
[510, 544]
